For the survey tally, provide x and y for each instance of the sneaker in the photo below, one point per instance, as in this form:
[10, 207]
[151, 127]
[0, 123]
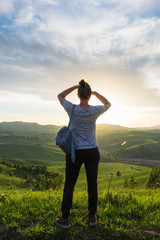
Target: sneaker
[63, 223]
[93, 220]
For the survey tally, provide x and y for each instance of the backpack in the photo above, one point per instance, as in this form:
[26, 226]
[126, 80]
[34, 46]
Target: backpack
[65, 139]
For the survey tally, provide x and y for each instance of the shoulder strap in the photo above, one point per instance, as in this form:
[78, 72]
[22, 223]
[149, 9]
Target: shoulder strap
[72, 113]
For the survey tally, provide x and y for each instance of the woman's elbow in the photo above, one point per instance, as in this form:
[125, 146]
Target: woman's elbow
[59, 96]
[107, 105]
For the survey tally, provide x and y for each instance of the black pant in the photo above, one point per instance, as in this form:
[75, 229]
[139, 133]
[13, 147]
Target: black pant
[90, 158]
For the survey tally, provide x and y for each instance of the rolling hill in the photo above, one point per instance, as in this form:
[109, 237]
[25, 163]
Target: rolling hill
[19, 128]
[33, 143]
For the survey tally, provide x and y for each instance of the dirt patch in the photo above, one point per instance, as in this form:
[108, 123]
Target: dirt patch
[141, 162]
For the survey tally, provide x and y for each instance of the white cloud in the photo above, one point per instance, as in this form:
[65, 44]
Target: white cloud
[95, 35]
[6, 6]
[47, 2]
[152, 75]
[22, 98]
[132, 7]
[25, 16]
[111, 35]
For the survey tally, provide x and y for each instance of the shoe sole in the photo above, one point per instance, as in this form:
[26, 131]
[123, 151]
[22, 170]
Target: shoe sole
[62, 226]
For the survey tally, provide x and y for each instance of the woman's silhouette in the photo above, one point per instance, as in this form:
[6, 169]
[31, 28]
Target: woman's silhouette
[84, 133]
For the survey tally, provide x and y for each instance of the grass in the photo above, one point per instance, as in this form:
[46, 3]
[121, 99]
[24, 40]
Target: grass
[105, 169]
[126, 214]
[140, 173]
[123, 214]
[32, 143]
[8, 183]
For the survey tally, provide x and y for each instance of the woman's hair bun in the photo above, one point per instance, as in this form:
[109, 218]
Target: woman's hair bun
[82, 83]
[84, 90]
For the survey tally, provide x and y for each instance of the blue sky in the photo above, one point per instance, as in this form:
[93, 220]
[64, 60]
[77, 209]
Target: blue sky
[49, 45]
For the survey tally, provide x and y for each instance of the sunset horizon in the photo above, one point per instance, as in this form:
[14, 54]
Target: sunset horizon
[98, 124]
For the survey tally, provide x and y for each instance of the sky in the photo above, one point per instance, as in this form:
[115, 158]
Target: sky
[47, 46]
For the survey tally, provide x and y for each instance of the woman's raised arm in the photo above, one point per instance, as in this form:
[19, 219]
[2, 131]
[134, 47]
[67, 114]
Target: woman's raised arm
[102, 99]
[61, 96]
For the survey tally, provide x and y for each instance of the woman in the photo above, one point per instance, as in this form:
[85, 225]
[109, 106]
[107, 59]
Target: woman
[83, 129]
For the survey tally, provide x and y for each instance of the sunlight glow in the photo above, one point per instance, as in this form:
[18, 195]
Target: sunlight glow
[115, 115]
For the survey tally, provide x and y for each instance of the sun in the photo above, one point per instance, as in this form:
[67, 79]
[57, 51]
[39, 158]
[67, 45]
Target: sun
[117, 114]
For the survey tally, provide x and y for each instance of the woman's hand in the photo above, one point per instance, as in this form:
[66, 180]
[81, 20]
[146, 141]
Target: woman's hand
[61, 96]
[102, 99]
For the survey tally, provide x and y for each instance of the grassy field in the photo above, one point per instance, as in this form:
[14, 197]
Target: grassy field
[30, 143]
[124, 214]
[140, 173]
[8, 183]
[104, 176]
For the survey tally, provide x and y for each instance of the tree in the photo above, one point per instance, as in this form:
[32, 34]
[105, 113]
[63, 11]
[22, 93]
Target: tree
[18, 166]
[29, 180]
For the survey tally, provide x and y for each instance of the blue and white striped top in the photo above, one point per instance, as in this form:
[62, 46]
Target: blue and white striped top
[83, 124]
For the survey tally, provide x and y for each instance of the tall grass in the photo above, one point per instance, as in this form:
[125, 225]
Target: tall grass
[122, 214]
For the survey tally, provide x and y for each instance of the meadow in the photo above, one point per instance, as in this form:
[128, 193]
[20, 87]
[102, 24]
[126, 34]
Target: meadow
[123, 213]
[127, 209]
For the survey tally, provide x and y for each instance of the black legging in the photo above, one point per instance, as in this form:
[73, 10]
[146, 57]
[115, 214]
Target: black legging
[90, 158]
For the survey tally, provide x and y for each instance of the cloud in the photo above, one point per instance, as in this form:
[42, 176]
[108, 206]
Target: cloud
[49, 45]
[6, 6]
[48, 2]
[152, 73]
[48, 41]
[25, 16]
[111, 35]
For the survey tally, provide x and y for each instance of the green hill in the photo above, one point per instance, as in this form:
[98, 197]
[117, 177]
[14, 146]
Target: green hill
[124, 211]
[34, 143]
[7, 182]
[131, 145]
[28, 154]
[25, 127]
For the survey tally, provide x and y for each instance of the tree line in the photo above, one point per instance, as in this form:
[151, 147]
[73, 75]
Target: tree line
[36, 176]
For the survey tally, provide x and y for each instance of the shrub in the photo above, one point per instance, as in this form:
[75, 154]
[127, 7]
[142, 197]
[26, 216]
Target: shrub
[154, 178]
[11, 174]
[130, 182]
[118, 174]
